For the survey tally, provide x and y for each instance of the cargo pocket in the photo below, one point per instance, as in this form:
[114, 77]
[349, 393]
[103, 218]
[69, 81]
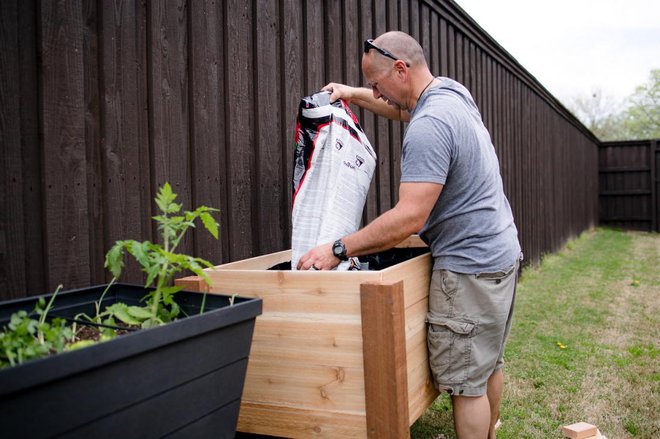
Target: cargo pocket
[449, 343]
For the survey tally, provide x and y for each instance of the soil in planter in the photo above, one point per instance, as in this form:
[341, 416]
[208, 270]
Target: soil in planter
[377, 261]
[87, 332]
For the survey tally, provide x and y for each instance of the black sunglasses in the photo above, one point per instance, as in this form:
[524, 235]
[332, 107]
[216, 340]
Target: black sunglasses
[369, 44]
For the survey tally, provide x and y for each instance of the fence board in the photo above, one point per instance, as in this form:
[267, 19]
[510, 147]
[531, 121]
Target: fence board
[381, 140]
[451, 52]
[460, 62]
[269, 228]
[315, 46]
[93, 141]
[66, 213]
[240, 157]
[12, 232]
[367, 119]
[443, 42]
[413, 15]
[434, 61]
[334, 49]
[207, 131]
[395, 128]
[33, 252]
[291, 46]
[425, 31]
[124, 127]
[169, 103]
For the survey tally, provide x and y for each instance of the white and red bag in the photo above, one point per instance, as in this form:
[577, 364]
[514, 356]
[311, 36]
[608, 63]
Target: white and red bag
[333, 167]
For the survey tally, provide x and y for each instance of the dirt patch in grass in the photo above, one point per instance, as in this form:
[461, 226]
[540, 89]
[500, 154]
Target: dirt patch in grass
[620, 395]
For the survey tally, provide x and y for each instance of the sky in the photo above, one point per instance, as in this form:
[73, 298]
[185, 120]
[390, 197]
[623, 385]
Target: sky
[577, 47]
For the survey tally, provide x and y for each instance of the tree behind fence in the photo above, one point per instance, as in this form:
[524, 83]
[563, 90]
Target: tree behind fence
[102, 102]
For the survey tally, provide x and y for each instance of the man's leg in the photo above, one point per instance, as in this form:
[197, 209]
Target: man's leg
[476, 416]
[494, 394]
[471, 416]
[459, 355]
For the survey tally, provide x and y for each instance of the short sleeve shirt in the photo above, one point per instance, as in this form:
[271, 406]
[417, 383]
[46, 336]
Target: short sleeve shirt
[471, 227]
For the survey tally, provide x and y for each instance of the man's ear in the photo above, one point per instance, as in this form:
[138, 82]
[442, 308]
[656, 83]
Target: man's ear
[401, 69]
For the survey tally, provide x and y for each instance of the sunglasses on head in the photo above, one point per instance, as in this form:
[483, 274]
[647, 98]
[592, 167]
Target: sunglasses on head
[369, 44]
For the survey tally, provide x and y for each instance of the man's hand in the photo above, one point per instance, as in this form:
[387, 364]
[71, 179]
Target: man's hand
[319, 258]
[340, 91]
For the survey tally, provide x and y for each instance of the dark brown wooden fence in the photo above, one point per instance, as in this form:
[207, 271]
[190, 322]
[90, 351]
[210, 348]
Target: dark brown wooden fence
[104, 101]
[629, 185]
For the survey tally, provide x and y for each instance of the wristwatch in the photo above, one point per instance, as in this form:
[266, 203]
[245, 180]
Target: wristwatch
[339, 250]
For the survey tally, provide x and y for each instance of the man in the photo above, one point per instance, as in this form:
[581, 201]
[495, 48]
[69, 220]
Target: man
[451, 193]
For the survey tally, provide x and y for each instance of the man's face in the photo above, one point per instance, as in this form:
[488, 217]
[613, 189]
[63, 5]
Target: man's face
[381, 77]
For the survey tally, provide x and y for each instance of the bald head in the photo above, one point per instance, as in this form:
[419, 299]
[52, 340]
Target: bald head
[403, 46]
[398, 82]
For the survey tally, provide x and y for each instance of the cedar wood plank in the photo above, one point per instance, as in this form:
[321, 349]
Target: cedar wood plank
[384, 346]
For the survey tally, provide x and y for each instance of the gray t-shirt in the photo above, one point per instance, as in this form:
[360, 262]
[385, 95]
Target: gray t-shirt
[470, 229]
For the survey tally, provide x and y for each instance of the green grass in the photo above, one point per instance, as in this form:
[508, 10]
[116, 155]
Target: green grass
[583, 346]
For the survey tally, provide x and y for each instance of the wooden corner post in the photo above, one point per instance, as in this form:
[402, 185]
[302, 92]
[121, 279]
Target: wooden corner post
[384, 354]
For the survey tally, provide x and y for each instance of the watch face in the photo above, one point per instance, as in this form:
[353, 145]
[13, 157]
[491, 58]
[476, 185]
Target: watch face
[339, 250]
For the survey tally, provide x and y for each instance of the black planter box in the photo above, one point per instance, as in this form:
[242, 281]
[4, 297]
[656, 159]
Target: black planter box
[183, 379]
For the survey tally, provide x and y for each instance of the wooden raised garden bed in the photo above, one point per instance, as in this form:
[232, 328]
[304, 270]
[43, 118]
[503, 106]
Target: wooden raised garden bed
[335, 354]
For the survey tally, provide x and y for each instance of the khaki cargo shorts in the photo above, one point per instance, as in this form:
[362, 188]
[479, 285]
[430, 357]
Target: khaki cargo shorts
[468, 323]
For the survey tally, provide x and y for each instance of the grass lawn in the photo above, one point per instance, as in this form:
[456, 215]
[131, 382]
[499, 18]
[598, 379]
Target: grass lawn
[584, 343]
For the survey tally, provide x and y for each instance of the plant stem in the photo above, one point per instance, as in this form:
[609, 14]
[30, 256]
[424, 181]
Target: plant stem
[50, 303]
[42, 319]
[100, 301]
[11, 359]
[157, 293]
[161, 278]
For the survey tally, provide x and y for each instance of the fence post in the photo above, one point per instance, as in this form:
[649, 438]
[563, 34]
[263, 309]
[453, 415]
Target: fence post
[655, 182]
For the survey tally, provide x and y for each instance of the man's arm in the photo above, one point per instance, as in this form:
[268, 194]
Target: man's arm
[416, 200]
[364, 98]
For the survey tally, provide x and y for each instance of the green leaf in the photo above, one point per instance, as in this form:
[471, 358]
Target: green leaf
[139, 312]
[173, 258]
[114, 259]
[31, 327]
[204, 262]
[120, 311]
[151, 323]
[206, 278]
[152, 272]
[176, 221]
[175, 310]
[140, 252]
[160, 219]
[165, 197]
[210, 223]
[171, 290]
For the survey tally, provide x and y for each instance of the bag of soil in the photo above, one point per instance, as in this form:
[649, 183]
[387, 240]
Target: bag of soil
[333, 166]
